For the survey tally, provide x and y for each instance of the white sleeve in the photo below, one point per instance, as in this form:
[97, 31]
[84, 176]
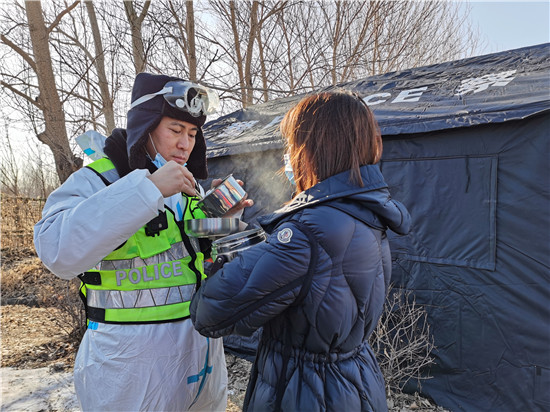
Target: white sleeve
[84, 220]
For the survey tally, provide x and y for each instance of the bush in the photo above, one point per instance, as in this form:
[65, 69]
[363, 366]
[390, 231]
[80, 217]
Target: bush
[67, 300]
[402, 341]
[25, 280]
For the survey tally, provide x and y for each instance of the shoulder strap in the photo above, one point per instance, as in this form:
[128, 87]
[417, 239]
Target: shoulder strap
[312, 262]
[306, 285]
[105, 169]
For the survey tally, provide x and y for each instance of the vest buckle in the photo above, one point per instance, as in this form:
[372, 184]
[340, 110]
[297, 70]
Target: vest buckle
[156, 225]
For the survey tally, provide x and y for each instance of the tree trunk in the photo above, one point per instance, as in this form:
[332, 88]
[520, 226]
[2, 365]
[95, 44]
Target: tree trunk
[100, 67]
[190, 29]
[238, 56]
[135, 22]
[289, 45]
[54, 134]
[263, 68]
[254, 29]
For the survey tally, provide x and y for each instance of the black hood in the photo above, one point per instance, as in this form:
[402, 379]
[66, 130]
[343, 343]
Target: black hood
[145, 117]
[115, 149]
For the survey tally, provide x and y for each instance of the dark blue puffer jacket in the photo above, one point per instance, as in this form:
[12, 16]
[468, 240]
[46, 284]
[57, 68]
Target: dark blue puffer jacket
[317, 286]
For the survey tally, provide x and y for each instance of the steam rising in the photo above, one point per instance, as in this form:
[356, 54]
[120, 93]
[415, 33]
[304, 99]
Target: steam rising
[262, 177]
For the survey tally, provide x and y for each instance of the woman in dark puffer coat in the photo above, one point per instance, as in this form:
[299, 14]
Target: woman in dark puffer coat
[318, 284]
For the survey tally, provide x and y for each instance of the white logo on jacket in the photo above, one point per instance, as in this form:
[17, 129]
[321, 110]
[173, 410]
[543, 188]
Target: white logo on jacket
[284, 235]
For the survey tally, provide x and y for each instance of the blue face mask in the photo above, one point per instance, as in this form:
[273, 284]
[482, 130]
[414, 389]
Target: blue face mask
[176, 199]
[159, 161]
[288, 169]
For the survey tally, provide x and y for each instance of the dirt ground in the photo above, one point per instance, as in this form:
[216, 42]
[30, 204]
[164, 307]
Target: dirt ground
[37, 350]
[38, 355]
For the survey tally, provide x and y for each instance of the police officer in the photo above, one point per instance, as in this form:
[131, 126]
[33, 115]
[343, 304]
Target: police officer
[118, 225]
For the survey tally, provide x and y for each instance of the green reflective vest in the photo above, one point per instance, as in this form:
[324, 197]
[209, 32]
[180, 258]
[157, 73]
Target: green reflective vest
[152, 276]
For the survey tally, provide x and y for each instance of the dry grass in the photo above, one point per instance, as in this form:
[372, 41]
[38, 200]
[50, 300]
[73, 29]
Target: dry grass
[24, 279]
[31, 338]
[19, 215]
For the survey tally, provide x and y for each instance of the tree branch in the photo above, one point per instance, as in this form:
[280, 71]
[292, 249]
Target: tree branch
[144, 11]
[19, 51]
[21, 94]
[60, 15]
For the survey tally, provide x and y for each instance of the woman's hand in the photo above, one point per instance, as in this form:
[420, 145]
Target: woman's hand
[238, 208]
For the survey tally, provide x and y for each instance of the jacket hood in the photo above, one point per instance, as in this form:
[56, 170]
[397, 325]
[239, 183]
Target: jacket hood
[143, 118]
[372, 203]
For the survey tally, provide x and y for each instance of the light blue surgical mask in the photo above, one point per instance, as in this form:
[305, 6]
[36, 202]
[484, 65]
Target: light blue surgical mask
[159, 161]
[288, 169]
[176, 200]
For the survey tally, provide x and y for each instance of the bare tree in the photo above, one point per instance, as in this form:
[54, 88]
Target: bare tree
[244, 21]
[175, 20]
[38, 177]
[86, 81]
[308, 45]
[228, 13]
[99, 62]
[136, 20]
[74, 76]
[82, 75]
[47, 100]
[24, 173]
[10, 172]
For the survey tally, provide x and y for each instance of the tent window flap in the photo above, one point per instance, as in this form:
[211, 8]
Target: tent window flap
[452, 201]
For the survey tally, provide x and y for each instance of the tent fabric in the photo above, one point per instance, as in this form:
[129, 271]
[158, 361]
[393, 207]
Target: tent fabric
[466, 149]
[478, 259]
[493, 88]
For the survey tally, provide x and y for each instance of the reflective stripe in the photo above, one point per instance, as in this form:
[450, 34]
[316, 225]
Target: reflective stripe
[170, 266]
[105, 167]
[111, 175]
[176, 252]
[195, 244]
[143, 298]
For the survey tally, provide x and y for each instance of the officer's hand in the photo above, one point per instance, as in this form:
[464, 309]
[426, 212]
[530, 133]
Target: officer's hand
[173, 178]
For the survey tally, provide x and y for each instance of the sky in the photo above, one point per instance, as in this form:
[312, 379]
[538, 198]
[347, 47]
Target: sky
[507, 25]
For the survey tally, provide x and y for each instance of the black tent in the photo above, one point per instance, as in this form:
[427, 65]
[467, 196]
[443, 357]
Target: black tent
[466, 149]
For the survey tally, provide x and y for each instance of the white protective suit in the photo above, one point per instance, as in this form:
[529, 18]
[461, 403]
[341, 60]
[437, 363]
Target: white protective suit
[155, 367]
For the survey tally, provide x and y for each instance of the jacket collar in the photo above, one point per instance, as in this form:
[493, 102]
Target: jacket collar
[371, 203]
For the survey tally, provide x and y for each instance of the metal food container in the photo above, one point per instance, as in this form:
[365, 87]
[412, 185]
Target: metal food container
[211, 227]
[218, 200]
[229, 246]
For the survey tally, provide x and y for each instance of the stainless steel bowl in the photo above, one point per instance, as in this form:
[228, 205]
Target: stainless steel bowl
[218, 200]
[211, 227]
